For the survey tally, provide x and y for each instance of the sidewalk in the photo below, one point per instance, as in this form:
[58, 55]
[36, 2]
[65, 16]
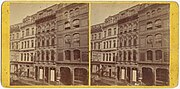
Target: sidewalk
[30, 81]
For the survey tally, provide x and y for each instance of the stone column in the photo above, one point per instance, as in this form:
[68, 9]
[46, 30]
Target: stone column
[154, 74]
[73, 77]
[72, 55]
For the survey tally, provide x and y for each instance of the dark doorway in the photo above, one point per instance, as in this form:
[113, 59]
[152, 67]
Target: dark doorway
[147, 76]
[66, 76]
[162, 77]
[46, 74]
[81, 76]
[128, 74]
[36, 73]
[118, 71]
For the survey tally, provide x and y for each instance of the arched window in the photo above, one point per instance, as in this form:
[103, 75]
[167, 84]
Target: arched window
[71, 12]
[38, 56]
[125, 43]
[134, 55]
[158, 23]
[66, 14]
[47, 42]
[109, 56]
[53, 41]
[129, 55]
[47, 27]
[158, 55]
[67, 40]
[77, 10]
[125, 28]
[124, 55]
[120, 30]
[130, 41]
[158, 40]
[149, 25]
[159, 9]
[76, 23]
[67, 25]
[52, 55]
[67, 55]
[148, 13]
[27, 56]
[149, 41]
[120, 56]
[130, 27]
[109, 32]
[42, 55]
[120, 42]
[76, 39]
[42, 41]
[47, 55]
[135, 40]
[24, 56]
[76, 54]
[149, 55]
[135, 26]
[153, 11]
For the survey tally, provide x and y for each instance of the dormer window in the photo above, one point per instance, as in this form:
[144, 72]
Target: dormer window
[149, 26]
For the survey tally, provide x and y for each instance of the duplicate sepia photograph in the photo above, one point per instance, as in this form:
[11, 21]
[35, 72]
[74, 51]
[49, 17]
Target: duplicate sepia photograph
[49, 44]
[130, 44]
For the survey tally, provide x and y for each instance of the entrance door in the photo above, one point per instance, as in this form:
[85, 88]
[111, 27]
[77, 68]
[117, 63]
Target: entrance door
[66, 77]
[148, 76]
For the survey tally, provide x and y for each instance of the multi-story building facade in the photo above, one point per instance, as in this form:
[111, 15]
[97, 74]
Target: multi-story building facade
[14, 47]
[127, 68]
[45, 63]
[96, 47]
[27, 47]
[109, 47]
[142, 49]
[72, 48]
[154, 44]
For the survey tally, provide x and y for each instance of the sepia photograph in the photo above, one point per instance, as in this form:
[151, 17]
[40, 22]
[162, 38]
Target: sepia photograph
[49, 44]
[89, 44]
[130, 44]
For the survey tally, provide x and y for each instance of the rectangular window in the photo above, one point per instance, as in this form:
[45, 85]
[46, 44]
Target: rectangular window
[27, 32]
[114, 56]
[123, 74]
[32, 43]
[109, 32]
[40, 73]
[52, 75]
[114, 41]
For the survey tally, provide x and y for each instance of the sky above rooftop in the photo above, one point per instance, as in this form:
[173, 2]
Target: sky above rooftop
[99, 12]
[18, 11]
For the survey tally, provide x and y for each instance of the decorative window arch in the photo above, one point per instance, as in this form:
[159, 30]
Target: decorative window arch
[149, 25]
[76, 23]
[149, 40]
[76, 39]
[158, 39]
[67, 25]
[158, 23]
